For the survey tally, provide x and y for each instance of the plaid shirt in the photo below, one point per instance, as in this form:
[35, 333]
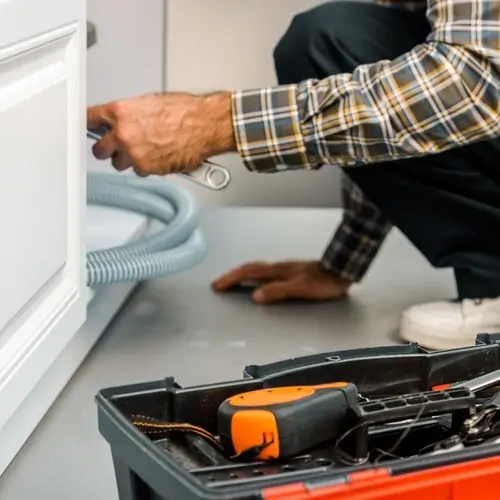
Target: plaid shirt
[442, 94]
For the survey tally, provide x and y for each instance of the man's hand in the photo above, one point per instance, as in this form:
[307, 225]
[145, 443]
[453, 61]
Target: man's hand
[159, 134]
[306, 280]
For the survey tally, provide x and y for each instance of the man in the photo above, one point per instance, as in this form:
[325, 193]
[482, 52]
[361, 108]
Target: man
[404, 96]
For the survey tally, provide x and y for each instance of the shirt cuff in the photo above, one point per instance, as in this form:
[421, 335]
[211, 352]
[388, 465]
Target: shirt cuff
[270, 130]
[342, 262]
[354, 246]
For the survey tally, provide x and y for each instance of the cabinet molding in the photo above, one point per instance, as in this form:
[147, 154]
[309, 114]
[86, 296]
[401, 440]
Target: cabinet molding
[42, 191]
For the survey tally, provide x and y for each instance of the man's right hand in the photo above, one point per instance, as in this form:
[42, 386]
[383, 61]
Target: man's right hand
[303, 280]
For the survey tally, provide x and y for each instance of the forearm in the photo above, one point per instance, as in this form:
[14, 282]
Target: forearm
[358, 238]
[440, 95]
[216, 108]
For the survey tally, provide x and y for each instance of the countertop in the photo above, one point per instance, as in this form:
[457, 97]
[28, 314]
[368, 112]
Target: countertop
[177, 326]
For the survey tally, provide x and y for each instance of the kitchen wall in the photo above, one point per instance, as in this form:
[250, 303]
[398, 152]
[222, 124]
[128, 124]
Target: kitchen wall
[201, 45]
[228, 44]
[129, 56]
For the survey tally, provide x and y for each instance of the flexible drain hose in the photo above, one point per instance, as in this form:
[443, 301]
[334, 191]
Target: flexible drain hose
[176, 247]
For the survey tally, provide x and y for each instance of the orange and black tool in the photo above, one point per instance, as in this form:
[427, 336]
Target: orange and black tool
[271, 424]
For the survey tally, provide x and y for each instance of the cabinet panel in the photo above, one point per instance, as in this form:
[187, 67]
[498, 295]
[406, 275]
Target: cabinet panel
[22, 19]
[42, 189]
[34, 219]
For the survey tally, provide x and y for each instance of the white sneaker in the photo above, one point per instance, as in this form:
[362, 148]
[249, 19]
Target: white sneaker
[449, 325]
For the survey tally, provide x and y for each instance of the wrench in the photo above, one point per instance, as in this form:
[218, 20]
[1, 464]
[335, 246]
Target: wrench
[208, 174]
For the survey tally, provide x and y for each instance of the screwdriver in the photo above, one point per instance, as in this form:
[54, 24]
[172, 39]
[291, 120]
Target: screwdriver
[271, 424]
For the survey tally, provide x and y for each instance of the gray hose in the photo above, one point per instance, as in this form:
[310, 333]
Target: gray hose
[175, 248]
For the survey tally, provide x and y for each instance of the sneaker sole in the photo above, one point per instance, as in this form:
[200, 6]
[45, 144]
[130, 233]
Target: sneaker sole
[434, 341]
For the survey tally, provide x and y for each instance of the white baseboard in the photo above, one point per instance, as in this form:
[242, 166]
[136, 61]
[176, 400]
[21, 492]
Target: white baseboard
[107, 228]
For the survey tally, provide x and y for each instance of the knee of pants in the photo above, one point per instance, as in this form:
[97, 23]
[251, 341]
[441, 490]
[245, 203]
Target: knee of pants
[311, 35]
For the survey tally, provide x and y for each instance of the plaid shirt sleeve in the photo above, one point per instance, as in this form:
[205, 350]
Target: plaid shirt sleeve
[363, 229]
[359, 236]
[440, 95]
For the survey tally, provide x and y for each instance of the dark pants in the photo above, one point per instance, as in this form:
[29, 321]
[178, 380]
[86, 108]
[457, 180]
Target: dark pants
[448, 205]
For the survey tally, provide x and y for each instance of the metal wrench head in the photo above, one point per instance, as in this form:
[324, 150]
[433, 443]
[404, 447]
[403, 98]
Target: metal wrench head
[481, 383]
[208, 174]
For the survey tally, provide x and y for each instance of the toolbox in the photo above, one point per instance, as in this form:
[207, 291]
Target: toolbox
[148, 468]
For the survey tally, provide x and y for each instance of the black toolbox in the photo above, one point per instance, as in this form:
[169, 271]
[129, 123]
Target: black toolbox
[146, 470]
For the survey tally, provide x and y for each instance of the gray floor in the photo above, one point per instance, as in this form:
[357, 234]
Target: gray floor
[178, 327]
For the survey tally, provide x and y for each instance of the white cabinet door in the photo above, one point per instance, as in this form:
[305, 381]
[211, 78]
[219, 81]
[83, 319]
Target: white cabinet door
[42, 189]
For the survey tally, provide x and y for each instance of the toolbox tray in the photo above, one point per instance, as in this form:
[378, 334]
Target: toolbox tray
[145, 471]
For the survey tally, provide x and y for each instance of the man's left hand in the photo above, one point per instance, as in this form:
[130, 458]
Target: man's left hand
[159, 134]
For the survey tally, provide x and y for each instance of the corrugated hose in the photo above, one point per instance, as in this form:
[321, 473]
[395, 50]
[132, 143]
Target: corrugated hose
[178, 246]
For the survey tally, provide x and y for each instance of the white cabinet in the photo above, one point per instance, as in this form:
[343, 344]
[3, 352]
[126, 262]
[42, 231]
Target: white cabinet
[42, 191]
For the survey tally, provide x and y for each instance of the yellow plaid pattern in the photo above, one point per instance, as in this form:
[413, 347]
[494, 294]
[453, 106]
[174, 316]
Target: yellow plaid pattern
[442, 94]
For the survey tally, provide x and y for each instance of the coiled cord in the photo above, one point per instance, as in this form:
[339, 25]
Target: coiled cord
[175, 248]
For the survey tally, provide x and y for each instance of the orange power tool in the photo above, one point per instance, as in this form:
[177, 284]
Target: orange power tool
[270, 424]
